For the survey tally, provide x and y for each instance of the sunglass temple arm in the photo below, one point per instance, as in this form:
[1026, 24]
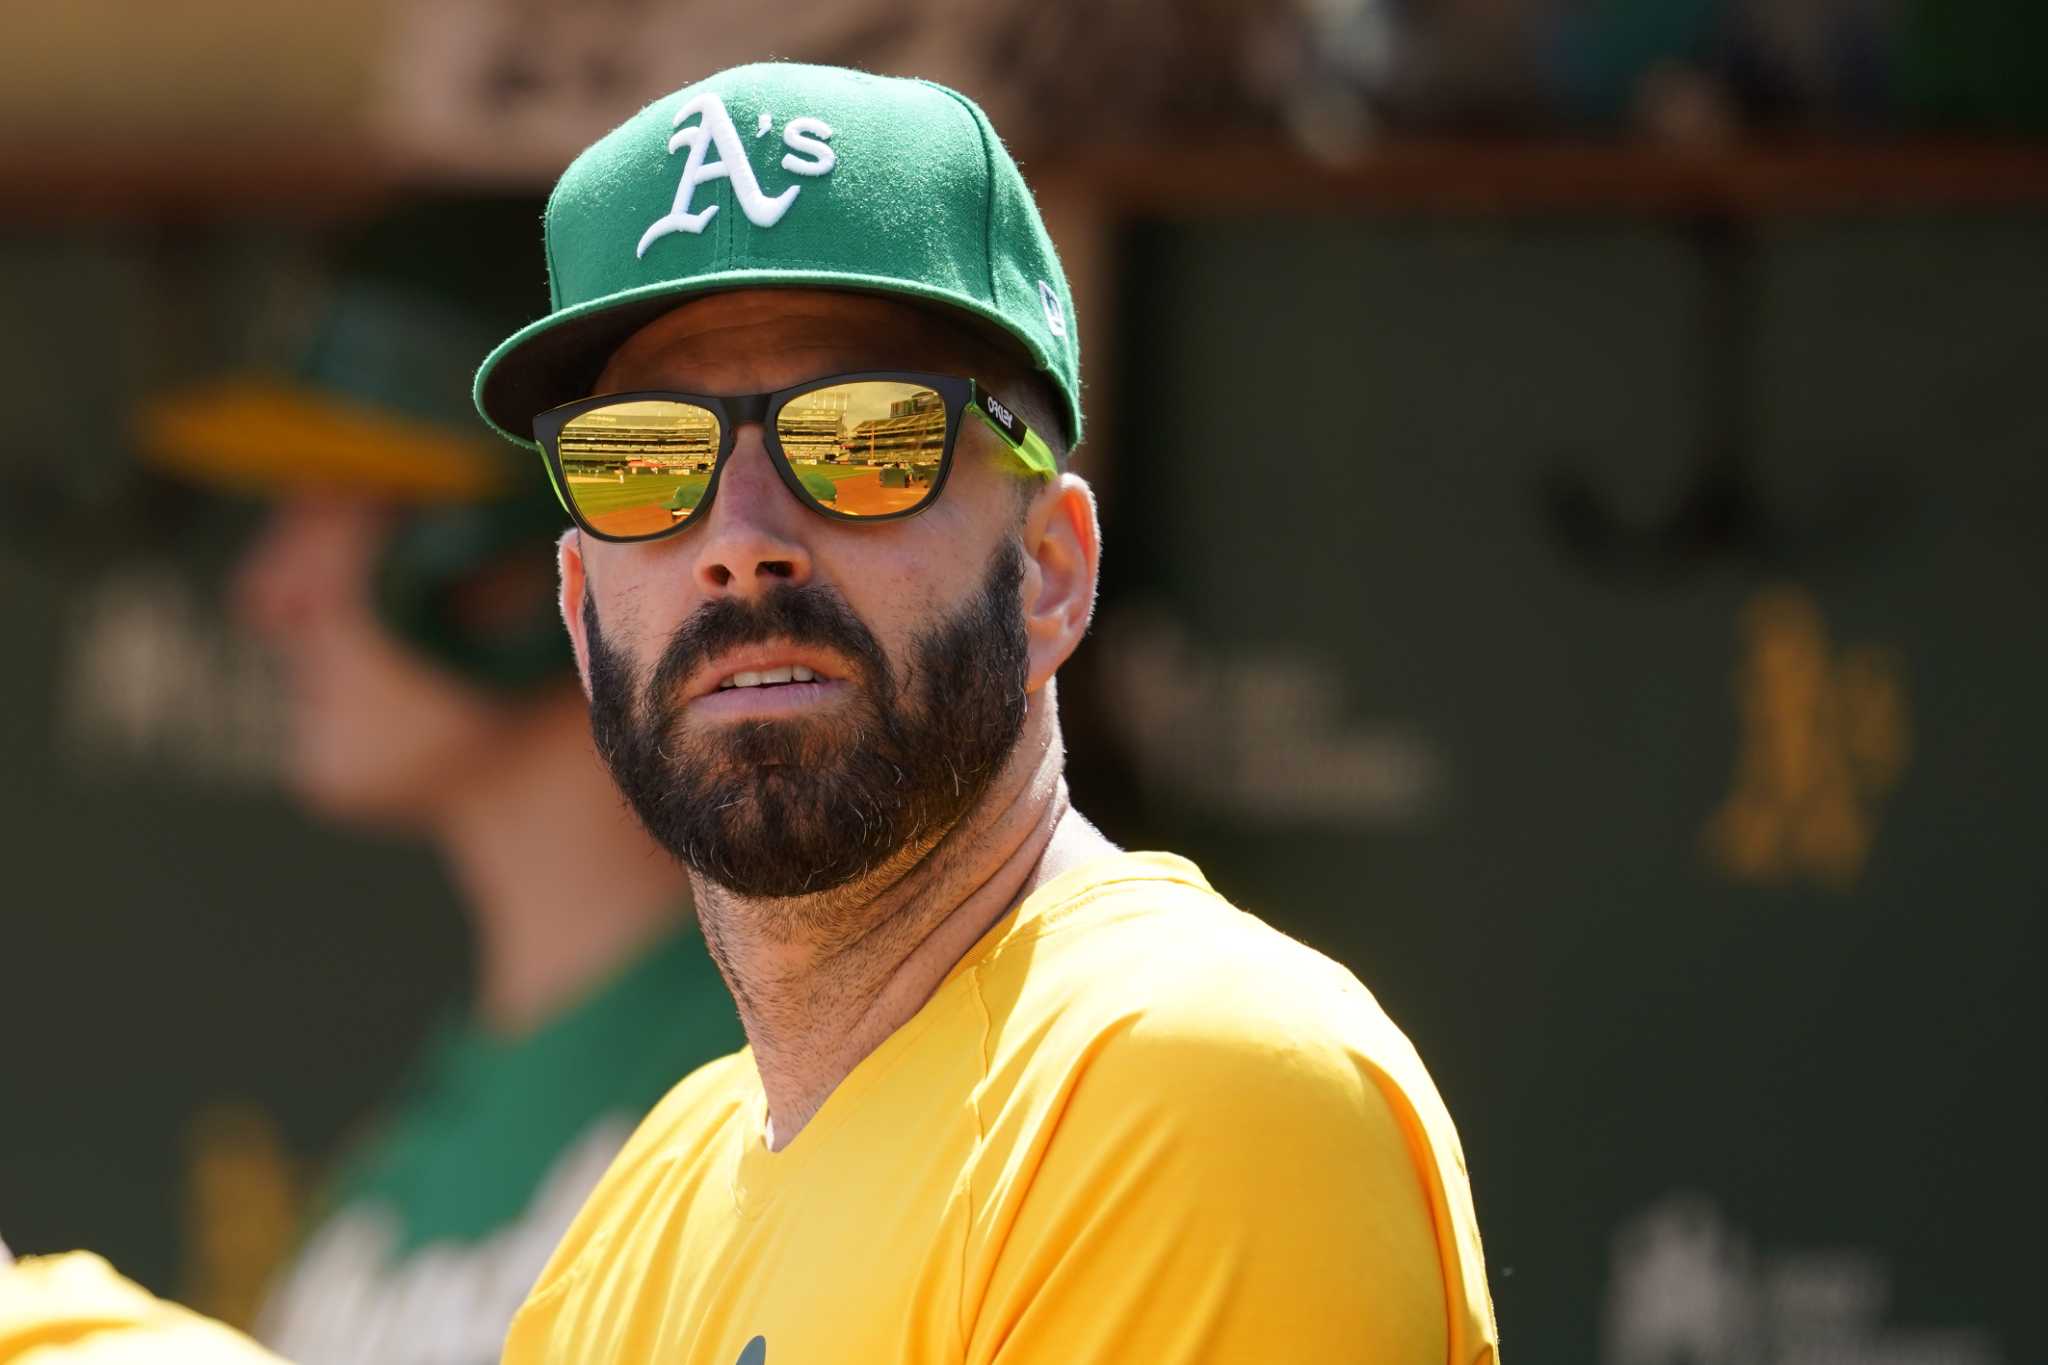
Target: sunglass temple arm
[1028, 444]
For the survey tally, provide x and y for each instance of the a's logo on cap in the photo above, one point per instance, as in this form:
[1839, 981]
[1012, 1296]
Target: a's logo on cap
[1055, 316]
[808, 154]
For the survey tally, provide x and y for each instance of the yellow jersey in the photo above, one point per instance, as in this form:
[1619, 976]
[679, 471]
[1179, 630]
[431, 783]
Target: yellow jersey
[75, 1310]
[1132, 1124]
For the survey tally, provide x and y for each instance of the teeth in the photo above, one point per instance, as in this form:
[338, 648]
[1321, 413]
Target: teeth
[783, 674]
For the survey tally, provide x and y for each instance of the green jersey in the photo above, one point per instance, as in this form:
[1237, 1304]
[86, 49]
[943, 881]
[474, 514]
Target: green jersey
[434, 1229]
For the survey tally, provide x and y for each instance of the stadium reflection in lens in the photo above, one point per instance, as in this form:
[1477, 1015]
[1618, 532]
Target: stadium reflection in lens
[639, 468]
[865, 448]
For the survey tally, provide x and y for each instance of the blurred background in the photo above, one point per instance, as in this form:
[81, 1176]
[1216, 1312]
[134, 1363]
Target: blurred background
[1574, 480]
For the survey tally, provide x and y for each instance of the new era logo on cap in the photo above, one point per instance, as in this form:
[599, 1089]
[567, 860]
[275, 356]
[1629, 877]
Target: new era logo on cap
[1055, 316]
[809, 154]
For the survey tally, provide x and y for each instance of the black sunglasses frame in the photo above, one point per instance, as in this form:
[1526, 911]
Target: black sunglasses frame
[734, 411]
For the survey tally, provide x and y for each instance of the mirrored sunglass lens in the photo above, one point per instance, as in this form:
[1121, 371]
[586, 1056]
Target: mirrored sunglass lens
[637, 469]
[865, 448]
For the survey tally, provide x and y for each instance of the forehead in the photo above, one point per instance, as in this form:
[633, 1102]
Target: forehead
[754, 340]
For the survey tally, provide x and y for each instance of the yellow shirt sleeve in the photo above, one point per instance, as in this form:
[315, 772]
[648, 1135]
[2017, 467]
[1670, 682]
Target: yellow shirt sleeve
[1215, 1194]
[75, 1310]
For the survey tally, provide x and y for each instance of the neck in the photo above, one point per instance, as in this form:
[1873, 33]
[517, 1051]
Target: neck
[815, 998]
[562, 886]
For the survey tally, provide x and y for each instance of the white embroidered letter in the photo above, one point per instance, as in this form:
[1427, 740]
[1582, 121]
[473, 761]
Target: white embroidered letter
[714, 129]
[808, 135]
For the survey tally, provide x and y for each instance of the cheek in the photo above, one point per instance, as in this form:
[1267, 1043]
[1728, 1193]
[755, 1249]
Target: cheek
[892, 577]
[900, 588]
[637, 609]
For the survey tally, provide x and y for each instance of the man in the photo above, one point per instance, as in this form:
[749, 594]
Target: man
[1011, 1095]
[404, 580]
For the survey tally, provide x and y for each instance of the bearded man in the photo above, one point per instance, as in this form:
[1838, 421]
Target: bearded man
[1011, 1094]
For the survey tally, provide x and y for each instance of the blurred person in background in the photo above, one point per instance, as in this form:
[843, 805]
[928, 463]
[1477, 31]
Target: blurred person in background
[403, 577]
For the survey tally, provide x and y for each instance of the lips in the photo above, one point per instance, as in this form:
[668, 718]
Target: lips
[767, 703]
[774, 677]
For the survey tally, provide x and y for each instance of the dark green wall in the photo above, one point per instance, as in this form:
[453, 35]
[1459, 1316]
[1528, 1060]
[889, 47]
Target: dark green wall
[1333, 440]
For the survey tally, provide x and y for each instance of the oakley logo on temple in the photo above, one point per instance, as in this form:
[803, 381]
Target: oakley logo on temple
[808, 154]
[1000, 413]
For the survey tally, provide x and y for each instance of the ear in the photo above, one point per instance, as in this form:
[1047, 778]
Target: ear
[569, 559]
[1063, 553]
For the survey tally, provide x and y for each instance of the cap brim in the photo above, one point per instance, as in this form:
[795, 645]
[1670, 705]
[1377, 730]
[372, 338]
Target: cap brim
[271, 438]
[558, 359]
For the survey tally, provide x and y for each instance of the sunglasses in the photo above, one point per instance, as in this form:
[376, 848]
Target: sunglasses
[872, 446]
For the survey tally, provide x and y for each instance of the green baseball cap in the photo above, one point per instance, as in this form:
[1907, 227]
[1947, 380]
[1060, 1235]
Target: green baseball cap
[373, 399]
[779, 174]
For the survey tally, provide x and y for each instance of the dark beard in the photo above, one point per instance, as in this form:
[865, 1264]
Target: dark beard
[778, 808]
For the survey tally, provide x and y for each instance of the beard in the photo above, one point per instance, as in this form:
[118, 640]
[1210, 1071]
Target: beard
[796, 806]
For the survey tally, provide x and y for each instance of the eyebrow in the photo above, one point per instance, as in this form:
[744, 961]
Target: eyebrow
[833, 360]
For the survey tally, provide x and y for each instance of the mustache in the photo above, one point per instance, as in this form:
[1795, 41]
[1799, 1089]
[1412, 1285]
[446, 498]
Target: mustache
[811, 615]
[777, 810]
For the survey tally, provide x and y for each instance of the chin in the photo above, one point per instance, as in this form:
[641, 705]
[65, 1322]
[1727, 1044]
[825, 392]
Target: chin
[356, 807]
[342, 788]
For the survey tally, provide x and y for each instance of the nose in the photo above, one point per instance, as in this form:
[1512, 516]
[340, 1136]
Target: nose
[310, 561]
[751, 537]
[272, 589]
